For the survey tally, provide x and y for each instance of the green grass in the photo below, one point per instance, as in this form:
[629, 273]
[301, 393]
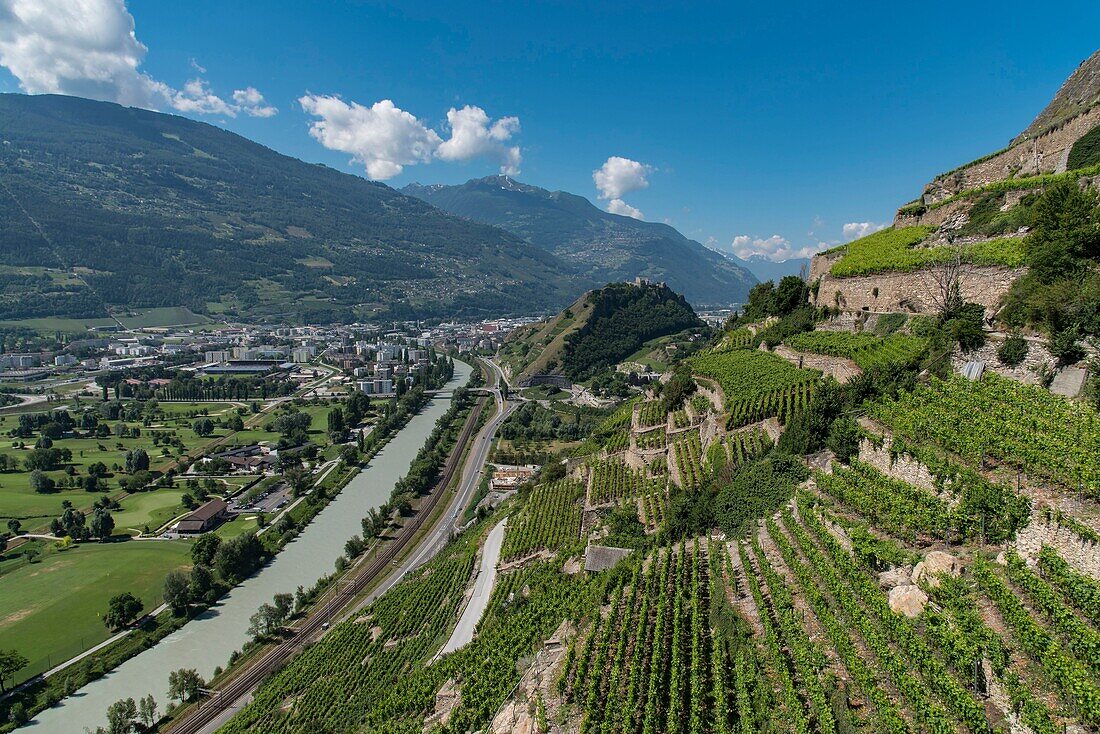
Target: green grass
[55, 606]
[893, 250]
[151, 509]
[237, 526]
[164, 316]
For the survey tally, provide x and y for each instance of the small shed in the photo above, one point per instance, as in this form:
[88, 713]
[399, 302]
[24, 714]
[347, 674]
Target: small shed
[603, 557]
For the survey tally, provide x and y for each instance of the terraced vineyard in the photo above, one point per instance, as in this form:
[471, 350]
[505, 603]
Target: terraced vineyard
[738, 448]
[613, 481]
[653, 662]
[655, 439]
[1022, 426]
[756, 384]
[651, 413]
[550, 520]
[897, 250]
[689, 458]
[866, 350]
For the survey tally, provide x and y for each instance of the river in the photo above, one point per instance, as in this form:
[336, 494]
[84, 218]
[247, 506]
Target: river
[206, 642]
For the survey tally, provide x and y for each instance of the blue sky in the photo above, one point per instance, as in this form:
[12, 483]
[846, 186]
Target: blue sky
[748, 119]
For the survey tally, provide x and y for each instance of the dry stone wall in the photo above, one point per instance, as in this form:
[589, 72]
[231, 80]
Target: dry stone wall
[910, 292]
[1047, 153]
[903, 468]
[1038, 357]
[1081, 554]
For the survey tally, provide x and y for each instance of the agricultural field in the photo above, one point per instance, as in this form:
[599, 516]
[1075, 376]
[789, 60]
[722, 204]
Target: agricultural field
[550, 520]
[866, 350]
[756, 384]
[68, 610]
[612, 481]
[1023, 427]
[784, 626]
[893, 250]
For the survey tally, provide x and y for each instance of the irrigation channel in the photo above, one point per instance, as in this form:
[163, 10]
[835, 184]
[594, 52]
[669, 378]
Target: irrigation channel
[206, 642]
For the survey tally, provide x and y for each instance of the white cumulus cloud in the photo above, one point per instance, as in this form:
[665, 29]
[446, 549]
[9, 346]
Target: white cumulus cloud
[618, 176]
[252, 103]
[474, 135]
[88, 48]
[384, 138]
[775, 248]
[855, 230]
[618, 206]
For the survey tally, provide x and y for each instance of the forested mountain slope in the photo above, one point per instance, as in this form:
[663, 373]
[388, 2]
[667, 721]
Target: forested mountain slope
[603, 246]
[138, 208]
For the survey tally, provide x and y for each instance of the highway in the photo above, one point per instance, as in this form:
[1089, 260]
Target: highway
[214, 711]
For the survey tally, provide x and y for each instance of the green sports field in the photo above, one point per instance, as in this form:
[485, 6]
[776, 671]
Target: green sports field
[55, 607]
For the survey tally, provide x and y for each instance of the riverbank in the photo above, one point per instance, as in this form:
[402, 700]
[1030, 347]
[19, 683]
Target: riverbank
[204, 643]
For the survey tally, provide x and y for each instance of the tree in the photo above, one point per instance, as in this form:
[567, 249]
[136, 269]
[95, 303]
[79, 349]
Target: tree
[177, 592]
[137, 460]
[202, 552]
[184, 684]
[147, 711]
[298, 479]
[41, 482]
[121, 715]
[202, 584]
[336, 426]
[122, 610]
[14, 526]
[235, 424]
[11, 662]
[237, 558]
[203, 427]
[102, 524]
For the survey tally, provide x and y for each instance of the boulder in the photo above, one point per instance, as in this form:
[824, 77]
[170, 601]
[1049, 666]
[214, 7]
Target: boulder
[908, 600]
[899, 576]
[935, 564]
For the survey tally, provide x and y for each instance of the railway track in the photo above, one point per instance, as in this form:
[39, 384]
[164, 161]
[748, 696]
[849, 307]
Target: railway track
[221, 699]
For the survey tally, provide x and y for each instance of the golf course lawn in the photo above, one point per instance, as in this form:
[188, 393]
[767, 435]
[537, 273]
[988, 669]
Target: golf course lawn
[153, 508]
[55, 606]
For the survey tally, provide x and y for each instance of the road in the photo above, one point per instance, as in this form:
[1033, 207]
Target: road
[236, 692]
[442, 534]
[483, 589]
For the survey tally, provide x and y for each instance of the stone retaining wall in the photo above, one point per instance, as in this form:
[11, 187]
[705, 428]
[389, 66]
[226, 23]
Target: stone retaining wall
[1080, 554]
[839, 368]
[1037, 356]
[911, 292]
[1047, 153]
[903, 468]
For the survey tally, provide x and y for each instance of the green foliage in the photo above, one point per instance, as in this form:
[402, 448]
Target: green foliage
[623, 318]
[1013, 350]
[756, 490]
[1086, 151]
[768, 299]
[892, 250]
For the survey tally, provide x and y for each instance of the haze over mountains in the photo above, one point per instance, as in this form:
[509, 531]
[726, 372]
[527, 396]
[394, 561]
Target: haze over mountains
[601, 246]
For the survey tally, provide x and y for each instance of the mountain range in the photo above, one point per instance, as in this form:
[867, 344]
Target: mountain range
[107, 208]
[600, 246]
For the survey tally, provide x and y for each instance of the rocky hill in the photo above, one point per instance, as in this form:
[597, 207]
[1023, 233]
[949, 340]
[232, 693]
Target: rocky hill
[602, 328]
[132, 208]
[601, 246]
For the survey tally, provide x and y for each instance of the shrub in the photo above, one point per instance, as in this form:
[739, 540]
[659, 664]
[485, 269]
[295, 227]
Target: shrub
[1012, 351]
[1065, 347]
